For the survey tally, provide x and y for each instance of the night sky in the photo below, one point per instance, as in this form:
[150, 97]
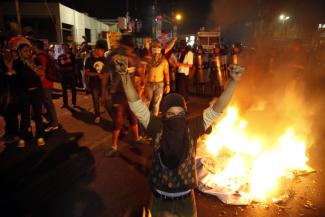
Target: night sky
[197, 13]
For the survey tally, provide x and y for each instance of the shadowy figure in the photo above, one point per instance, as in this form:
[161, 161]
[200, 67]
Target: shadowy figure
[82, 114]
[49, 181]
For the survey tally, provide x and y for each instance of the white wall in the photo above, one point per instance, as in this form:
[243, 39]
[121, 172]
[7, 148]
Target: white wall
[81, 21]
[61, 14]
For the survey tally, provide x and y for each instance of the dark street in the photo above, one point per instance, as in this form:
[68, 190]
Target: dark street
[71, 176]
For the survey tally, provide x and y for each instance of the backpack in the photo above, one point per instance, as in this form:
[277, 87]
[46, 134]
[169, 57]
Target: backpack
[51, 72]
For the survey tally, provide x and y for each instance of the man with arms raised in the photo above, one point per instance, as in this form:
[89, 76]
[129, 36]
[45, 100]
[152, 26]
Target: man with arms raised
[173, 176]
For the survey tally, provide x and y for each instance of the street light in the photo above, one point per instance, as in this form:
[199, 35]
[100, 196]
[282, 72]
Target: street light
[178, 17]
[283, 17]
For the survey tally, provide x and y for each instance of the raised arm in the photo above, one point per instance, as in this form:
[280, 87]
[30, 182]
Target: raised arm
[236, 74]
[170, 45]
[218, 105]
[136, 105]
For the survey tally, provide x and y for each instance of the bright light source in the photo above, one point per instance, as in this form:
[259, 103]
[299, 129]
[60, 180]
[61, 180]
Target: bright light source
[283, 17]
[178, 17]
[191, 40]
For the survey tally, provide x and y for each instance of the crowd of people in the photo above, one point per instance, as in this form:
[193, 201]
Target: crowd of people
[147, 86]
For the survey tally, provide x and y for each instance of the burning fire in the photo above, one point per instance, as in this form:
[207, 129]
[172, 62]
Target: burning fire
[250, 164]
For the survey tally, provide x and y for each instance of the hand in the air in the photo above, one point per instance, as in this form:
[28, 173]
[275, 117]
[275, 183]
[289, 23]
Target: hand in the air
[236, 72]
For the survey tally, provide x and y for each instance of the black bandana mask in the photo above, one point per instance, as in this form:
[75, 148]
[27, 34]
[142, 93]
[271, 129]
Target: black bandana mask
[174, 143]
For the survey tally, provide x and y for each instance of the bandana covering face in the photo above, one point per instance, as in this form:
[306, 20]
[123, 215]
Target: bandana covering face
[174, 144]
[156, 50]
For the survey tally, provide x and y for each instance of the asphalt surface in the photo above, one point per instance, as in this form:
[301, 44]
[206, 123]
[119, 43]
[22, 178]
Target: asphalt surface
[71, 177]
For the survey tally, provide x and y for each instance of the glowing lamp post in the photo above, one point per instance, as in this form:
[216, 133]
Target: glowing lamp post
[283, 18]
[178, 17]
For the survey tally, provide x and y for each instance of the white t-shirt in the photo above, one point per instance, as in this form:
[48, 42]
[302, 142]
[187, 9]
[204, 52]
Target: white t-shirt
[187, 60]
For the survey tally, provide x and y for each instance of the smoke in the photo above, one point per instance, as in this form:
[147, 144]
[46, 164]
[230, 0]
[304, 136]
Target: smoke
[281, 89]
[227, 13]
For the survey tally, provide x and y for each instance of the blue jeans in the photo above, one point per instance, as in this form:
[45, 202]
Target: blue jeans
[154, 93]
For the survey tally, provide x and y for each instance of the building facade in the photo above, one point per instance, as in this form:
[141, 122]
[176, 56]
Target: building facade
[54, 21]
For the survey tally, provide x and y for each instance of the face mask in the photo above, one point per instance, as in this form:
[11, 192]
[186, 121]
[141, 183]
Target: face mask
[156, 50]
[174, 144]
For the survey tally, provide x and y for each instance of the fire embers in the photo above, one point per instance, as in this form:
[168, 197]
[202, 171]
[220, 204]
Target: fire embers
[240, 166]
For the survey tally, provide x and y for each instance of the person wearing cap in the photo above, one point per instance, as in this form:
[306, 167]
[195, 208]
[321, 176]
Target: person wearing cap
[158, 81]
[95, 67]
[173, 176]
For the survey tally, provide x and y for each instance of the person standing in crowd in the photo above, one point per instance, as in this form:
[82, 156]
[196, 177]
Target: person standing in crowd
[29, 72]
[173, 176]
[185, 62]
[9, 96]
[71, 44]
[68, 76]
[43, 58]
[83, 51]
[95, 67]
[158, 80]
[121, 110]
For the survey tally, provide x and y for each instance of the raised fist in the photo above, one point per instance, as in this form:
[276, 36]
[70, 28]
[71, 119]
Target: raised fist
[121, 64]
[236, 71]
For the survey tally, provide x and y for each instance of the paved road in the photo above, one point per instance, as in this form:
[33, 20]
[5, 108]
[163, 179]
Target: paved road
[71, 177]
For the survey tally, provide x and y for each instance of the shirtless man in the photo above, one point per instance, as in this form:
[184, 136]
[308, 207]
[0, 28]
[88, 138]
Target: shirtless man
[158, 80]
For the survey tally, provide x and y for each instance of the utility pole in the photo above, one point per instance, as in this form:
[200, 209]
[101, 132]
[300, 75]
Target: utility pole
[18, 16]
[127, 7]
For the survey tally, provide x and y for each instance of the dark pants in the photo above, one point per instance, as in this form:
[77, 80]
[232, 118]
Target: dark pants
[78, 67]
[182, 85]
[50, 108]
[95, 93]
[11, 120]
[69, 81]
[178, 208]
[31, 98]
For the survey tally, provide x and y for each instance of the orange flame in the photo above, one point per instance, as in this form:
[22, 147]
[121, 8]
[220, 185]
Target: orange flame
[251, 164]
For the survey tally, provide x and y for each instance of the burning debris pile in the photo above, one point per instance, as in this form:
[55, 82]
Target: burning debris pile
[239, 166]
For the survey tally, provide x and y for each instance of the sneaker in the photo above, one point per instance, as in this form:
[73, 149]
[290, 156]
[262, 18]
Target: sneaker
[40, 141]
[97, 120]
[51, 129]
[112, 152]
[21, 143]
